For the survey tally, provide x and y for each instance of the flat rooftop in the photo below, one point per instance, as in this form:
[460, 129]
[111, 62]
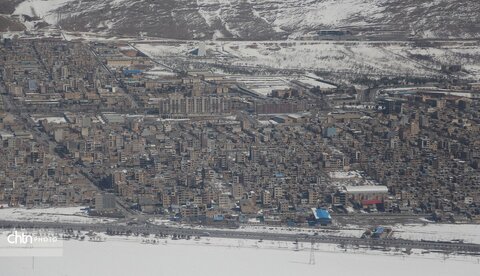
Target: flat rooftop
[366, 189]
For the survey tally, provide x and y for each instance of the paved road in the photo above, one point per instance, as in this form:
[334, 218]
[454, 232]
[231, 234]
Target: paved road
[447, 247]
[112, 74]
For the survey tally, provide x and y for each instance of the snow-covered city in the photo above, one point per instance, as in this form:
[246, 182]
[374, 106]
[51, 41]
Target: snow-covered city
[212, 137]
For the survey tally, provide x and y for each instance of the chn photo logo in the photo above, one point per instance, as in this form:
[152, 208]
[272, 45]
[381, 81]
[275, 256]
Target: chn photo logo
[19, 238]
[22, 238]
[19, 243]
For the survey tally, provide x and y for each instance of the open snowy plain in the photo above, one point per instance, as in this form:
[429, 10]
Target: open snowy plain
[133, 255]
[375, 58]
[129, 256]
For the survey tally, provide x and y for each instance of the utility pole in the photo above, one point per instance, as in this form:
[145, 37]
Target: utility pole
[312, 254]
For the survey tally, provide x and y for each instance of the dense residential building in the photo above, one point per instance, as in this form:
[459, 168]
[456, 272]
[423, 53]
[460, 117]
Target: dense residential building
[79, 118]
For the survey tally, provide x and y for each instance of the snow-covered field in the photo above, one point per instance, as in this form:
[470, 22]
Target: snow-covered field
[441, 232]
[356, 57]
[65, 215]
[129, 256]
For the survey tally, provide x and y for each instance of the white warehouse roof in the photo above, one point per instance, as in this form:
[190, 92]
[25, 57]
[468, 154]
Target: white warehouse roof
[366, 189]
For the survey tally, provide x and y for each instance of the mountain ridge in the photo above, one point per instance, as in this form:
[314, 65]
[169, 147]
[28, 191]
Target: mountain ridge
[260, 19]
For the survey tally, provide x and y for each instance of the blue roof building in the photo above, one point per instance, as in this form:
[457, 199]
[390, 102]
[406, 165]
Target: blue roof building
[377, 233]
[322, 216]
[279, 175]
[330, 132]
[218, 217]
[132, 72]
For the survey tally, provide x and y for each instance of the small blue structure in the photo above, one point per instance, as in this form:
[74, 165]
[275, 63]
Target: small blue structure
[32, 85]
[322, 216]
[132, 72]
[377, 233]
[279, 175]
[330, 132]
[218, 217]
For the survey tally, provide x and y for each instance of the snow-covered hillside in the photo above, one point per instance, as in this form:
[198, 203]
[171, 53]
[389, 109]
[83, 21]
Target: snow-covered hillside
[260, 19]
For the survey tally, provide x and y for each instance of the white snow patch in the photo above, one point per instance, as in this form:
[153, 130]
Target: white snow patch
[57, 214]
[126, 255]
[441, 232]
[44, 9]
